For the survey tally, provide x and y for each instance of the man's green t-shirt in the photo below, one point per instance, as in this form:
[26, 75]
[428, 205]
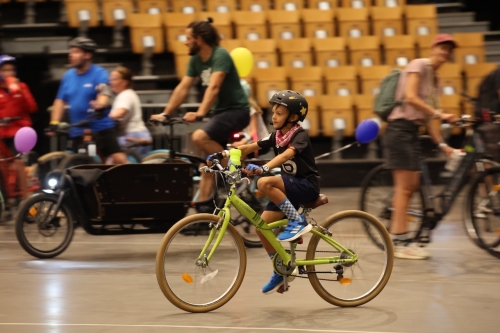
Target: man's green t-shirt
[231, 95]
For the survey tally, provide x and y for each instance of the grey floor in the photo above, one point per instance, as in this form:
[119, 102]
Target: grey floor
[108, 284]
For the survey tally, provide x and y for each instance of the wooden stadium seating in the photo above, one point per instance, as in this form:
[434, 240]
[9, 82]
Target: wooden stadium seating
[186, 6]
[268, 81]
[250, 25]
[295, 53]
[222, 22]
[264, 52]
[255, 5]
[144, 26]
[111, 8]
[399, 50]
[364, 51]
[390, 3]
[387, 21]
[421, 19]
[452, 104]
[175, 26]
[288, 4]
[355, 3]
[152, 6]
[221, 6]
[371, 78]
[470, 48]
[353, 22]
[312, 121]
[323, 4]
[231, 44]
[306, 81]
[424, 44]
[85, 9]
[341, 81]
[318, 23]
[284, 24]
[335, 109]
[450, 79]
[330, 52]
[364, 107]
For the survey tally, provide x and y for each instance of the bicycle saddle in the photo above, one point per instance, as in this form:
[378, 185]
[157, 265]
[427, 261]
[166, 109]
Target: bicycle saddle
[320, 201]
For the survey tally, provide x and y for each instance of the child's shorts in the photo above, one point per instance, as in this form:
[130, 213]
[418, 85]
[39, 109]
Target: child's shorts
[298, 191]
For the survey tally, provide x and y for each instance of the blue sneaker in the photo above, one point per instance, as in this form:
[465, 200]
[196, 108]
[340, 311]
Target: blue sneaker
[294, 230]
[276, 282]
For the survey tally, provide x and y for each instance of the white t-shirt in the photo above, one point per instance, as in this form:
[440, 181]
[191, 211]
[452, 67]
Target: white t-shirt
[132, 121]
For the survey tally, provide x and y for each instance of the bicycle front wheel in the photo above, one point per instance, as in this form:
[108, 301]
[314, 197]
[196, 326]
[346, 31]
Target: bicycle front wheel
[354, 283]
[185, 276]
[482, 218]
[376, 199]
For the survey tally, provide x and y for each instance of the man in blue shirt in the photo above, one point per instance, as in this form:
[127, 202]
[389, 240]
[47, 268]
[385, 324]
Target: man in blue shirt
[86, 87]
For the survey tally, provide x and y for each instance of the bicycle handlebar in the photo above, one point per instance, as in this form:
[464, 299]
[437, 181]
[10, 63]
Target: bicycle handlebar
[235, 176]
[5, 121]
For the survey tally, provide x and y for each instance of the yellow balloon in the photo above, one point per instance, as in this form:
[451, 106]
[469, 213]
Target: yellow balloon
[243, 60]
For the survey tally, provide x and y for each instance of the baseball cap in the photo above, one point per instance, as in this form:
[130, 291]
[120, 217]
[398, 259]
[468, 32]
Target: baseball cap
[444, 38]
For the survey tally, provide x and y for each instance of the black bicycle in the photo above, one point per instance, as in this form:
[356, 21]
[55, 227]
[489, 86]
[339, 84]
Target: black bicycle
[426, 210]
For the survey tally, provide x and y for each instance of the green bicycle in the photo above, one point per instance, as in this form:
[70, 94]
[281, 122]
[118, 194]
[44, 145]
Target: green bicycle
[201, 274]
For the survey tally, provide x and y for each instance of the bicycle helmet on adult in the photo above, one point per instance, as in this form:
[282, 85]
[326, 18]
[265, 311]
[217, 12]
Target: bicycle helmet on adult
[84, 43]
[7, 59]
[293, 101]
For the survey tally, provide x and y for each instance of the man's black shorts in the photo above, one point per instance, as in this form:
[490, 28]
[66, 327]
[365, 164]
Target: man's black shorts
[105, 140]
[221, 126]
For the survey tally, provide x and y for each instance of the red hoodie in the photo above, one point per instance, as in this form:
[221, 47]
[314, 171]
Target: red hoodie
[18, 104]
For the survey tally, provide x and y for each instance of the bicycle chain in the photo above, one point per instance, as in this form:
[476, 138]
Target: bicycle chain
[307, 277]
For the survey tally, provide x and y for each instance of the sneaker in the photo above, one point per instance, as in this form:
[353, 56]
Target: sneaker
[276, 282]
[482, 211]
[206, 206]
[294, 230]
[406, 250]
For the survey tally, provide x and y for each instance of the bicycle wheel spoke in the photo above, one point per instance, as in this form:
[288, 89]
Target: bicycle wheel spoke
[192, 279]
[360, 279]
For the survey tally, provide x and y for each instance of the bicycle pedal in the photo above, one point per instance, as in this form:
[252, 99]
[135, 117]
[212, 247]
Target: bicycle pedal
[299, 240]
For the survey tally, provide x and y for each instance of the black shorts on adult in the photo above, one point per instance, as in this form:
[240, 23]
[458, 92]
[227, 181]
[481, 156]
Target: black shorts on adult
[221, 126]
[105, 140]
[298, 190]
[402, 149]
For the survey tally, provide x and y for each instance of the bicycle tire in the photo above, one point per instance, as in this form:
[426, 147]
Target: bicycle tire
[74, 160]
[311, 248]
[472, 224]
[21, 237]
[365, 184]
[160, 272]
[132, 156]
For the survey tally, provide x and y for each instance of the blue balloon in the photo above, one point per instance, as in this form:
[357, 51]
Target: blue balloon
[367, 131]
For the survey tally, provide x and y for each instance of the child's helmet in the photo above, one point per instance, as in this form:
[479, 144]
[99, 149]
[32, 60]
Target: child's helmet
[293, 101]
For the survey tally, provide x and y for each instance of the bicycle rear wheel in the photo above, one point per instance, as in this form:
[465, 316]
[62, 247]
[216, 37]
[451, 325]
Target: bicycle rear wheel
[482, 218]
[358, 282]
[376, 199]
[186, 278]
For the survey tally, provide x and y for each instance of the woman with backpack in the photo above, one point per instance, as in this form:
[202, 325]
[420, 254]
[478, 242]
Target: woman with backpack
[417, 88]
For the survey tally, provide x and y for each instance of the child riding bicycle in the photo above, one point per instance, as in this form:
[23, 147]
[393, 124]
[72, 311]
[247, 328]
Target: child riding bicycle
[299, 181]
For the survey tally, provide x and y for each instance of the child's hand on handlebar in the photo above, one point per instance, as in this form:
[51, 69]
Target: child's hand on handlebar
[252, 169]
[449, 118]
[191, 117]
[215, 156]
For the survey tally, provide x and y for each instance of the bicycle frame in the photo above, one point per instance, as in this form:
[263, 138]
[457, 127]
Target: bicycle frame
[260, 224]
[457, 181]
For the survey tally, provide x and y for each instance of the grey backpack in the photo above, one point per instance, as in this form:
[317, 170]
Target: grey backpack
[385, 101]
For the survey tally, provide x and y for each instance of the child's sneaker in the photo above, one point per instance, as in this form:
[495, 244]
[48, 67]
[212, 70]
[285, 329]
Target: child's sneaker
[405, 250]
[276, 282]
[294, 230]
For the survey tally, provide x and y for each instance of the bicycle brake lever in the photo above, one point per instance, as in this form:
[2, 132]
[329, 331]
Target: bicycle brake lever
[245, 178]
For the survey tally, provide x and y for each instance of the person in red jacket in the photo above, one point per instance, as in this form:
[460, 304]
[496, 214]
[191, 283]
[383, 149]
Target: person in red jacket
[16, 100]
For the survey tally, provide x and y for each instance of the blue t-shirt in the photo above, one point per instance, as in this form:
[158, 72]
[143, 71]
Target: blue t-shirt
[77, 90]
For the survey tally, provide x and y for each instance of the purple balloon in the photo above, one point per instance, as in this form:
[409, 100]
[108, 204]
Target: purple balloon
[25, 139]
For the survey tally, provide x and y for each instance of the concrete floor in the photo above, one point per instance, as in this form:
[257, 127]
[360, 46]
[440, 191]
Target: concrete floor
[108, 284]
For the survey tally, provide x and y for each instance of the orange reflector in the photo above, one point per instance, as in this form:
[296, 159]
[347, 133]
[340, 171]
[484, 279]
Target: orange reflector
[345, 281]
[186, 277]
[497, 232]
[496, 187]
[32, 211]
